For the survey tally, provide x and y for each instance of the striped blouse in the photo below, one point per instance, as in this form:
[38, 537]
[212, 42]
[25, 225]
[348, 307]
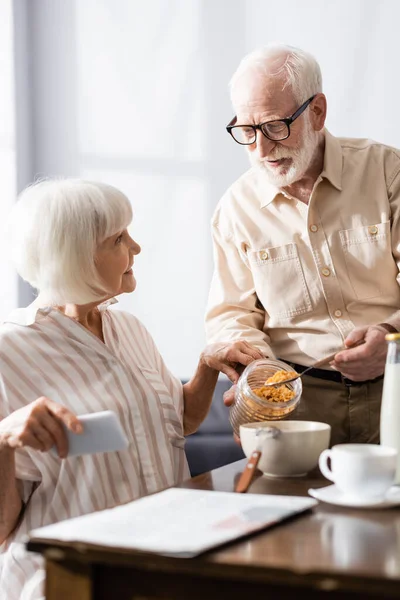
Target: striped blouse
[45, 353]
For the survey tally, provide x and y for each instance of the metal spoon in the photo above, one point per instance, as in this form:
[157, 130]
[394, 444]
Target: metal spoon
[249, 470]
[319, 363]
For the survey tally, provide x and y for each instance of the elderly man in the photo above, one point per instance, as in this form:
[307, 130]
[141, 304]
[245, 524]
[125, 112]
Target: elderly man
[307, 243]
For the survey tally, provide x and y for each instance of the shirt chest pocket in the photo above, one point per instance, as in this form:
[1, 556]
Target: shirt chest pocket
[369, 261]
[279, 281]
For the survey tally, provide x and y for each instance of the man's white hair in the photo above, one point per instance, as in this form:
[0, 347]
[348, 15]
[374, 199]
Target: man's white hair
[300, 69]
[55, 228]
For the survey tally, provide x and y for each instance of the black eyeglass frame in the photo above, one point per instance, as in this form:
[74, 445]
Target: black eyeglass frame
[288, 121]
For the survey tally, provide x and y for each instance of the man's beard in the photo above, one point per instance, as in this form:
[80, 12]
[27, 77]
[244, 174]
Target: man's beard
[301, 159]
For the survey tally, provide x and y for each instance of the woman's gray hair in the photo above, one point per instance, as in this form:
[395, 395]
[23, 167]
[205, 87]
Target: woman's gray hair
[301, 71]
[55, 228]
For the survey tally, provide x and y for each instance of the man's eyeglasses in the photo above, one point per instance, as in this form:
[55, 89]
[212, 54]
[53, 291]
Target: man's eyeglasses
[273, 130]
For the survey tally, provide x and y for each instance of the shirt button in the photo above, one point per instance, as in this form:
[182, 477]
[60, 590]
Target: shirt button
[338, 313]
[373, 230]
[325, 272]
[313, 228]
[263, 255]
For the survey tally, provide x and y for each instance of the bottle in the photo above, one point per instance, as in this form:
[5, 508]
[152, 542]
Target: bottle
[390, 407]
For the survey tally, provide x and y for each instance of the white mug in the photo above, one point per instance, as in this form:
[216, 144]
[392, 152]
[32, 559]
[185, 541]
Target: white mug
[360, 470]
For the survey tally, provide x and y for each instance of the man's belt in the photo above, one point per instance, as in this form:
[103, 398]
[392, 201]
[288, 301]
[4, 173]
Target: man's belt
[329, 375]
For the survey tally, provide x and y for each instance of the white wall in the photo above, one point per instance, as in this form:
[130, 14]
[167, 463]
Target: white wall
[8, 174]
[135, 93]
[356, 44]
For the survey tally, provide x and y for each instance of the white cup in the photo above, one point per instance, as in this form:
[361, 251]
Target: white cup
[360, 470]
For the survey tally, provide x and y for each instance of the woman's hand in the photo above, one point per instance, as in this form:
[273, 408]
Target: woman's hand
[226, 357]
[39, 425]
[229, 399]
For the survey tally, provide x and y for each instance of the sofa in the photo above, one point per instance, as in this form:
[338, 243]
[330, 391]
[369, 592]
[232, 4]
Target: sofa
[212, 445]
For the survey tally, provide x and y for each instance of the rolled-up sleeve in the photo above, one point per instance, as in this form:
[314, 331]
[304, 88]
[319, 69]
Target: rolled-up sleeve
[232, 312]
[394, 199]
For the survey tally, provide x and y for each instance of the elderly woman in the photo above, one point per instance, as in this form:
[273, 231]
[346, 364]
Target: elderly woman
[69, 353]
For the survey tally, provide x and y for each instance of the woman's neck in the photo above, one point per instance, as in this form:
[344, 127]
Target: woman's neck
[88, 315]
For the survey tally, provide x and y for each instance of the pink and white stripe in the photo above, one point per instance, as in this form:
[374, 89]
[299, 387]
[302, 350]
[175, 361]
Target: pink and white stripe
[45, 353]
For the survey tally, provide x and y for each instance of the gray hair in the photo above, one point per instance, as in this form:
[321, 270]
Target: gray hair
[301, 71]
[55, 228]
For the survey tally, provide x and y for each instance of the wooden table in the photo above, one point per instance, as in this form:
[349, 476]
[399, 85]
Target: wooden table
[329, 552]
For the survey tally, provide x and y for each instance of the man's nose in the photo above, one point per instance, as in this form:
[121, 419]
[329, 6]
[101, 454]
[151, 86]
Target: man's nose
[264, 145]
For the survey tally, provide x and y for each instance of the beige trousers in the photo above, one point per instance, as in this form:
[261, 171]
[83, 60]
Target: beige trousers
[352, 411]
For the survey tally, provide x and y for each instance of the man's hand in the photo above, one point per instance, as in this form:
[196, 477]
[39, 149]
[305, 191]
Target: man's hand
[366, 361]
[39, 425]
[227, 357]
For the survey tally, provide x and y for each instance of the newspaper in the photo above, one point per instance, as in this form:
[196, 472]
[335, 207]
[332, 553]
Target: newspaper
[178, 522]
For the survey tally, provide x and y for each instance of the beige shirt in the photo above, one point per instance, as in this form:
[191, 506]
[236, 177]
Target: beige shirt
[43, 352]
[295, 279]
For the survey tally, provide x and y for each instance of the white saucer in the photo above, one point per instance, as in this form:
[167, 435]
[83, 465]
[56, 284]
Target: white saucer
[332, 495]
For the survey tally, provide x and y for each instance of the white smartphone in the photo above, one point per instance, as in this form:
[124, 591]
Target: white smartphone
[102, 432]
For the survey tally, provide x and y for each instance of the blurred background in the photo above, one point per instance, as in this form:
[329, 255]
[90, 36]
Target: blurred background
[135, 93]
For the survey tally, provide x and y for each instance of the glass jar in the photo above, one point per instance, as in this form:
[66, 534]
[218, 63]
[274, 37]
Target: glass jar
[249, 407]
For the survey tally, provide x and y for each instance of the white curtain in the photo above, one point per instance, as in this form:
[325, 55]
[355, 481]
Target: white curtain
[135, 93]
[8, 155]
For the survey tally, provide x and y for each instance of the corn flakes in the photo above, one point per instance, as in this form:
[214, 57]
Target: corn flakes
[279, 393]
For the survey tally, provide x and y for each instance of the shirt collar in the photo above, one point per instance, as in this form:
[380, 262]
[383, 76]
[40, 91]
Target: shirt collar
[332, 169]
[29, 315]
[333, 161]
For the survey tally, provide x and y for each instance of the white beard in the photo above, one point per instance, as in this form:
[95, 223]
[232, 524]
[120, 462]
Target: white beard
[301, 159]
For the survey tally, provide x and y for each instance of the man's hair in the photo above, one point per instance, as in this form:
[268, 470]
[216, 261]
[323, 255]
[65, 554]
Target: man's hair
[55, 228]
[300, 69]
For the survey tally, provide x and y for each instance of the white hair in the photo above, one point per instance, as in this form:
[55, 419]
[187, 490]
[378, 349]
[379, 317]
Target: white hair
[300, 69]
[55, 228]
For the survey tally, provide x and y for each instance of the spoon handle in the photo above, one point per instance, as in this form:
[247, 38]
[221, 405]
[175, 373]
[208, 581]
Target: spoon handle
[323, 361]
[319, 363]
[328, 359]
[248, 473]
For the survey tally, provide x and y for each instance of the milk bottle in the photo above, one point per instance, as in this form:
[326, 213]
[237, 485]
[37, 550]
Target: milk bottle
[390, 408]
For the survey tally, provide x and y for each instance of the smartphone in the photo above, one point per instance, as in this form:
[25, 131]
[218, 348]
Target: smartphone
[102, 432]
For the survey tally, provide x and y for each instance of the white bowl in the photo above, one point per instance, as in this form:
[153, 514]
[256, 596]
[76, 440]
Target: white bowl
[293, 452]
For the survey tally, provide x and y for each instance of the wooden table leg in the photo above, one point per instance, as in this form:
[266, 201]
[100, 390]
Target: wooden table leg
[66, 579]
